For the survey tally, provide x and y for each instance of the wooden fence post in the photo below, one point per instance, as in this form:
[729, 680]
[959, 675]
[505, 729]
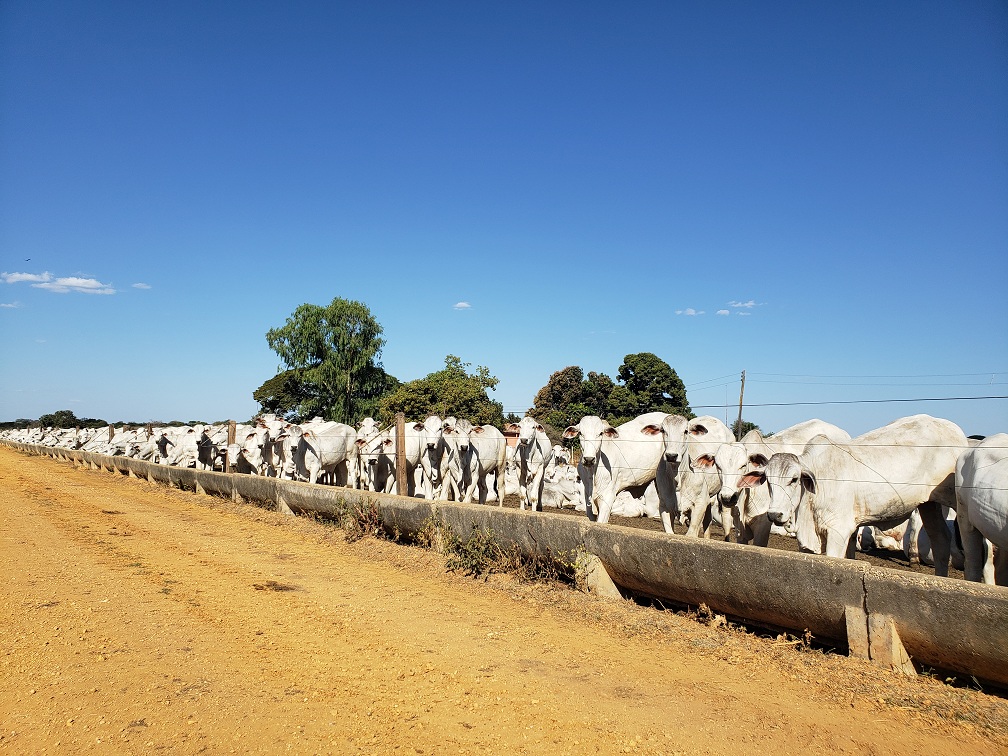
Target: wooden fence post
[232, 432]
[400, 455]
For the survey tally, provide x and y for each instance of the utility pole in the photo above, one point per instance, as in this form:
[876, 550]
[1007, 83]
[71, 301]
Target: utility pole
[738, 428]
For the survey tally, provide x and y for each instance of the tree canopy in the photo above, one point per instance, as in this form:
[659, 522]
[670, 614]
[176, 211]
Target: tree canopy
[67, 419]
[452, 391]
[646, 384]
[331, 364]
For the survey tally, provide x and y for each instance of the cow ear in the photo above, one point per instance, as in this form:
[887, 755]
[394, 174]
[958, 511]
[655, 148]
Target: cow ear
[540, 428]
[610, 432]
[808, 481]
[418, 426]
[751, 480]
[651, 430]
[361, 443]
[512, 427]
[572, 432]
[477, 429]
[706, 461]
[758, 460]
[698, 430]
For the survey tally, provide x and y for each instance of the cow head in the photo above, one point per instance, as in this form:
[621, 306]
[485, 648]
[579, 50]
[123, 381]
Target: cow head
[731, 461]
[593, 430]
[787, 480]
[431, 432]
[673, 432]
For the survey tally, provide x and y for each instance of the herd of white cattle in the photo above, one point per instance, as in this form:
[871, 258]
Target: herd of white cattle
[811, 481]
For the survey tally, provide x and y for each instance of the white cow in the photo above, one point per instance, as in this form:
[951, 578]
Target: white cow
[331, 451]
[981, 486]
[878, 478]
[367, 431]
[482, 452]
[378, 455]
[532, 454]
[699, 482]
[735, 459]
[645, 505]
[431, 436]
[616, 459]
[564, 488]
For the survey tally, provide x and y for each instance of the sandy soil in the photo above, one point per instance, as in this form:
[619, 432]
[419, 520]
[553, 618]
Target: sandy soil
[140, 619]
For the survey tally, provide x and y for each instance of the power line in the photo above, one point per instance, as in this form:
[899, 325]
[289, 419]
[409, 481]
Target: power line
[856, 401]
[926, 375]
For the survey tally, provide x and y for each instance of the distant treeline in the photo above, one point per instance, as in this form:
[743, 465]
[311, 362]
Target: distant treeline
[67, 419]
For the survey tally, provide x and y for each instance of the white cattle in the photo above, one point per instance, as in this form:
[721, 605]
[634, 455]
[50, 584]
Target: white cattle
[431, 436]
[981, 486]
[185, 451]
[330, 451]
[482, 452]
[698, 482]
[563, 489]
[511, 485]
[532, 455]
[735, 459]
[645, 505]
[616, 459]
[377, 462]
[367, 431]
[878, 478]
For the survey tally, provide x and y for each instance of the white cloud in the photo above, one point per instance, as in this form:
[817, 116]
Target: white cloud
[748, 305]
[745, 313]
[30, 277]
[73, 283]
[461, 306]
[141, 286]
[59, 285]
[689, 311]
[722, 312]
[10, 305]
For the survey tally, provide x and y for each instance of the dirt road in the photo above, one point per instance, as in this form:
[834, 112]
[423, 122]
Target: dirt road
[139, 618]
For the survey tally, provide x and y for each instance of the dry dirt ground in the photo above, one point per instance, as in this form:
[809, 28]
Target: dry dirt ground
[140, 619]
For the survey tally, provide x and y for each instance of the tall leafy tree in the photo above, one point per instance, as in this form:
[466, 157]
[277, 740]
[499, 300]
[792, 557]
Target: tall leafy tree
[333, 354]
[452, 391]
[646, 383]
[653, 385]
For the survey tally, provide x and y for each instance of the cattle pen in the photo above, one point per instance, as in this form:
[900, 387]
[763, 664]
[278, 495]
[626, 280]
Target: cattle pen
[876, 613]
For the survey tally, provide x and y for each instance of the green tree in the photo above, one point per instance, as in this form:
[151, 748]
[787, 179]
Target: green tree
[449, 392]
[333, 353]
[59, 419]
[654, 386]
[646, 384]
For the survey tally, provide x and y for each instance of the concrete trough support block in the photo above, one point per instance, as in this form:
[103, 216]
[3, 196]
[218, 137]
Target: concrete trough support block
[885, 646]
[591, 577]
[857, 632]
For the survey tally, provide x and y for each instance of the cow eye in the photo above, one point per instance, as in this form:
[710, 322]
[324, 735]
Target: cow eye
[793, 480]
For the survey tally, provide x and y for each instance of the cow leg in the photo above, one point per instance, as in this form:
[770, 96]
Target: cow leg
[937, 530]
[697, 517]
[727, 521]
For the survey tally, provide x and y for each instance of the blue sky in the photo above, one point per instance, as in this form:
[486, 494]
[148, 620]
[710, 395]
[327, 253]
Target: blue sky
[814, 193]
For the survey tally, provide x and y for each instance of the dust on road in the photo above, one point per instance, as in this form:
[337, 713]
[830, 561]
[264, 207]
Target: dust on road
[139, 618]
